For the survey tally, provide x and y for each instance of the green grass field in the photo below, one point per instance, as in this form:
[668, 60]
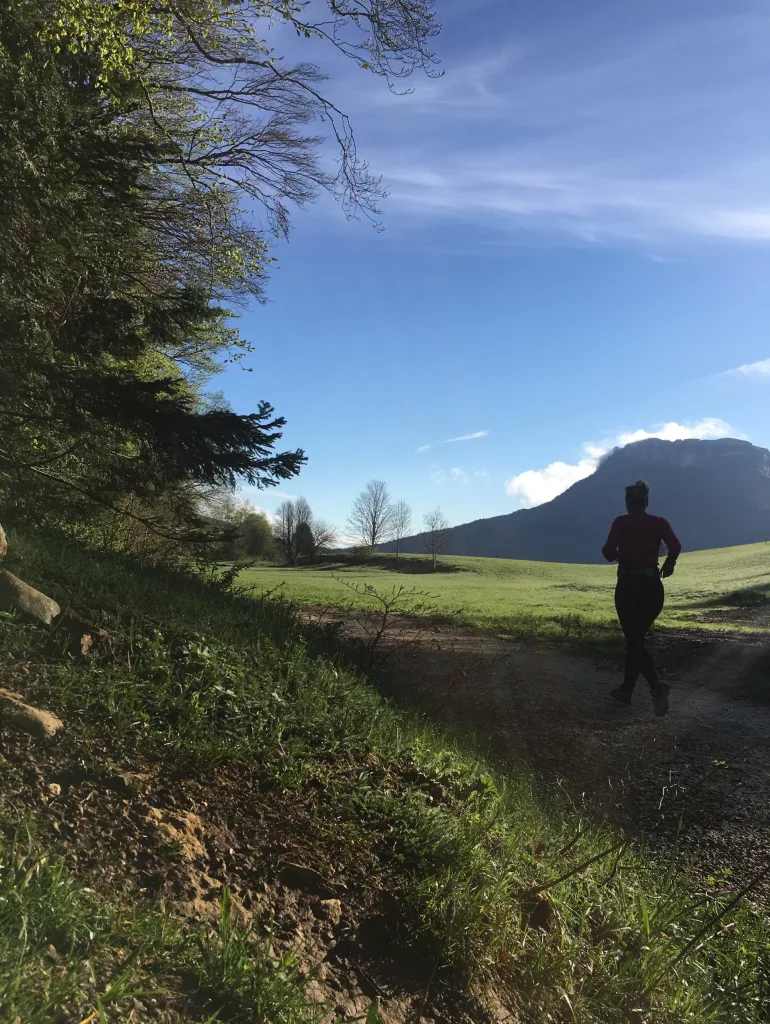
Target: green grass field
[549, 597]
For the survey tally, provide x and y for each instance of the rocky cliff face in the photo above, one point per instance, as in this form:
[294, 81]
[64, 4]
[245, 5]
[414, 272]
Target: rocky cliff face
[714, 454]
[715, 493]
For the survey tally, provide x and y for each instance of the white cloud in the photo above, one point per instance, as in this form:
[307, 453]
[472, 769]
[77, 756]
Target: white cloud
[480, 473]
[424, 448]
[758, 369]
[536, 486]
[455, 475]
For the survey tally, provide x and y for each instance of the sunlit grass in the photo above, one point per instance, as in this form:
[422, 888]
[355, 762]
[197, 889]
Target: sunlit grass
[519, 596]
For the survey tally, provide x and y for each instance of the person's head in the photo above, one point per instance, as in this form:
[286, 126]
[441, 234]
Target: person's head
[637, 496]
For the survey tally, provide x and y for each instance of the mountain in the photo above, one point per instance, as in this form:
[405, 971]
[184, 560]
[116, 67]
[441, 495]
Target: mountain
[714, 493]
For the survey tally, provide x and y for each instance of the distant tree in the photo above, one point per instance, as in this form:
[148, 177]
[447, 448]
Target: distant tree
[240, 528]
[324, 535]
[256, 536]
[304, 541]
[285, 531]
[437, 534]
[298, 534]
[371, 518]
[303, 512]
[402, 521]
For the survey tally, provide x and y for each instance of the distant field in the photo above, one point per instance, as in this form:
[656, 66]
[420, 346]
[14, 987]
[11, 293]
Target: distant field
[727, 587]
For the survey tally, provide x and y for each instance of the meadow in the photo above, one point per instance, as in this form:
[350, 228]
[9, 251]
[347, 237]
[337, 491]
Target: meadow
[724, 586]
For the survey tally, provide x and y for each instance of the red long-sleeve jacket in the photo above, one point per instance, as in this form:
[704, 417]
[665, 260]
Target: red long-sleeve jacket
[635, 540]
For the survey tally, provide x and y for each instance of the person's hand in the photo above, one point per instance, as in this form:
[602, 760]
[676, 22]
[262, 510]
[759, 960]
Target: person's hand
[667, 570]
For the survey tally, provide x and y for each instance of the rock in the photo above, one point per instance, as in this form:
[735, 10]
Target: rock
[15, 714]
[54, 789]
[15, 593]
[3, 543]
[540, 912]
[125, 782]
[331, 910]
[87, 639]
[306, 880]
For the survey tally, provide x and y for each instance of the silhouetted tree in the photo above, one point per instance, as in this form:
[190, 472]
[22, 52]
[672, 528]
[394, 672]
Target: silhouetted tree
[437, 534]
[304, 542]
[324, 535]
[371, 518]
[402, 521]
[285, 531]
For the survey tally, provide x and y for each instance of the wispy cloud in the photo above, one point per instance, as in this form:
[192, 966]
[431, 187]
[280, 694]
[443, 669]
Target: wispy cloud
[456, 475]
[466, 437]
[536, 486]
[759, 369]
[453, 440]
[601, 129]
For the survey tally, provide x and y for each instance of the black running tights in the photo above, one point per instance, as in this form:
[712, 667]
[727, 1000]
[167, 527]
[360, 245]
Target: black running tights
[638, 601]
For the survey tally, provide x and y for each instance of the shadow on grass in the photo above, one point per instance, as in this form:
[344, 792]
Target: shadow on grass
[390, 563]
[749, 597]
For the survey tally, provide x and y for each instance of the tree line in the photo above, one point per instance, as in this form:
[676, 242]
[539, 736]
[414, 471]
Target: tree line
[137, 136]
[374, 519]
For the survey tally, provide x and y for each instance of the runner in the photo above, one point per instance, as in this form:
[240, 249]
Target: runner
[634, 543]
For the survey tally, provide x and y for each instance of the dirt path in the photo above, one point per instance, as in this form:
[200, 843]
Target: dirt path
[708, 760]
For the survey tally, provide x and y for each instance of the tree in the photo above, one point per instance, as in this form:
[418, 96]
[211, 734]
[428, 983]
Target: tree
[134, 135]
[324, 535]
[298, 534]
[304, 541]
[371, 518]
[255, 536]
[98, 328]
[437, 534]
[285, 531]
[402, 521]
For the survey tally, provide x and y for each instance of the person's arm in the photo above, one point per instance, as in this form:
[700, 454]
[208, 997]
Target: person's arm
[673, 546]
[610, 549]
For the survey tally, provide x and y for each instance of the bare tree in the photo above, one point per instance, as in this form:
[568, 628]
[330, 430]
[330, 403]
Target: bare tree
[324, 535]
[298, 534]
[285, 530]
[371, 517]
[437, 534]
[303, 513]
[402, 521]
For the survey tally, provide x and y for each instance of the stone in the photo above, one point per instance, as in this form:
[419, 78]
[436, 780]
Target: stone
[331, 910]
[307, 880]
[15, 714]
[87, 640]
[3, 543]
[54, 789]
[540, 912]
[15, 593]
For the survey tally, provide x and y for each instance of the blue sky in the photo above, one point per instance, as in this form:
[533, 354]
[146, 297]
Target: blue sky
[576, 252]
